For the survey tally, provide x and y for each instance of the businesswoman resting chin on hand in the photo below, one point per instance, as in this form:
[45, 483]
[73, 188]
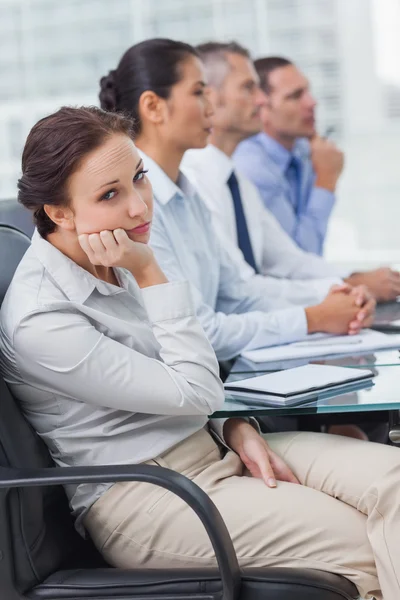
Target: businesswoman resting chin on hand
[111, 366]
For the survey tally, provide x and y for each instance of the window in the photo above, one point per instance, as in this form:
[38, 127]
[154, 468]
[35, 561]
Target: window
[16, 137]
[329, 68]
[392, 101]
[55, 52]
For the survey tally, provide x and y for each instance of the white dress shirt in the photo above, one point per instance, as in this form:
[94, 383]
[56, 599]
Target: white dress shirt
[289, 272]
[235, 310]
[105, 374]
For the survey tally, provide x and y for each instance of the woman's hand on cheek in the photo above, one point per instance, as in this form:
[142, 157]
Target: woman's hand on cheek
[255, 453]
[116, 249]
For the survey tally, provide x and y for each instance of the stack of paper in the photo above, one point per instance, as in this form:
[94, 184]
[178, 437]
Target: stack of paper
[292, 386]
[322, 344]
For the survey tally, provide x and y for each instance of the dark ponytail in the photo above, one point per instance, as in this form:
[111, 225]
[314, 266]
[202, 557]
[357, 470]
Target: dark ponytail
[108, 92]
[150, 65]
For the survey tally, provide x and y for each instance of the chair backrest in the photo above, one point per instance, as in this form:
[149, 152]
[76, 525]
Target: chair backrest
[39, 520]
[13, 214]
[13, 245]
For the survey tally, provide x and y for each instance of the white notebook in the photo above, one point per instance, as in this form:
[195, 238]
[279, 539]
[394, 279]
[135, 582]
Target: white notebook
[290, 385]
[321, 344]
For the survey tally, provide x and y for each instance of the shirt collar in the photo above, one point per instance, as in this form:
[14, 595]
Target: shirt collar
[278, 153]
[76, 283]
[217, 163]
[164, 188]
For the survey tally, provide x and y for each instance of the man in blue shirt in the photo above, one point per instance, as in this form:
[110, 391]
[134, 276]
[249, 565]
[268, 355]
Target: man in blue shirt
[295, 170]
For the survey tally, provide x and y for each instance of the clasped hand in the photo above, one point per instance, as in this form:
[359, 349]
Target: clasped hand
[363, 300]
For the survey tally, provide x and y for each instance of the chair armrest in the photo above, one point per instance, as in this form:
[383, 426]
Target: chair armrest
[175, 482]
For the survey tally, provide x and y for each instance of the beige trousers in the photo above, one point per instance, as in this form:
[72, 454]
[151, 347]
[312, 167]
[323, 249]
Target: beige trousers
[344, 518]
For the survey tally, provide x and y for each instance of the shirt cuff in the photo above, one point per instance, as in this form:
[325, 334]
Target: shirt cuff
[345, 273]
[293, 325]
[168, 301]
[321, 202]
[216, 427]
[323, 286]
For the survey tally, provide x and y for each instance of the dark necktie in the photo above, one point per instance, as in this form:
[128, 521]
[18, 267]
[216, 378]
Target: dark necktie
[293, 175]
[241, 224]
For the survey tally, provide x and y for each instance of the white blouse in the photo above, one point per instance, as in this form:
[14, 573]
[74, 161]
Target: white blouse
[105, 374]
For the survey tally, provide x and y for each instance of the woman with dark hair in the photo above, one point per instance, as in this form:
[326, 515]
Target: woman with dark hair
[161, 84]
[111, 366]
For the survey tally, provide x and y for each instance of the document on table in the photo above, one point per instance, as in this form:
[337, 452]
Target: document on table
[322, 344]
[296, 385]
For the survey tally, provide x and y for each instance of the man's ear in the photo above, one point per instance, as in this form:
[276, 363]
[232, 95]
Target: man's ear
[62, 216]
[151, 107]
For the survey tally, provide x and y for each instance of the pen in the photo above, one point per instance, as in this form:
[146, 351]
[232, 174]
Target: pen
[328, 132]
[322, 344]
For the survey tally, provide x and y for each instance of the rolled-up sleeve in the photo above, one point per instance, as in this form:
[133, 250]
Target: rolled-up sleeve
[310, 229]
[62, 351]
[232, 334]
[216, 427]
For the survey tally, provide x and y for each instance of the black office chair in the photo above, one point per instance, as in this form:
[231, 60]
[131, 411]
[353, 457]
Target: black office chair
[13, 245]
[13, 214]
[43, 558]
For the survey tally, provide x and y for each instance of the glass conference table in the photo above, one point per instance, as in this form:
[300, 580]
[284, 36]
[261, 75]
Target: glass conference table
[382, 396]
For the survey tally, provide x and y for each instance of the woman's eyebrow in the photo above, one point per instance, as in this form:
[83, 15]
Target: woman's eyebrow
[117, 180]
[109, 183]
